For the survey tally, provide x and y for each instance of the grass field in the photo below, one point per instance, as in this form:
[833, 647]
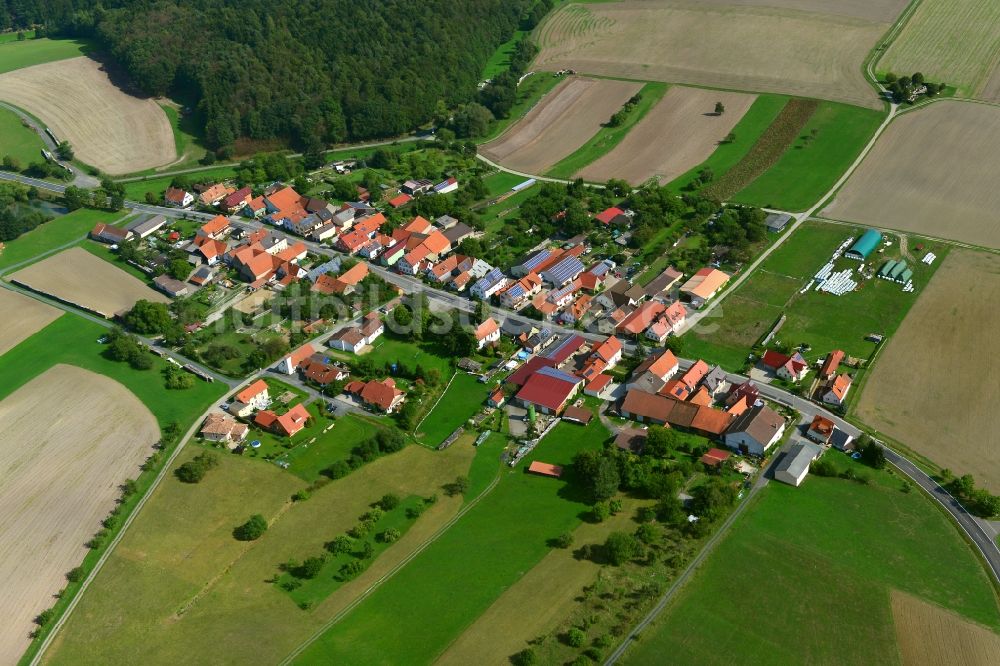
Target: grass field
[62, 230]
[608, 137]
[823, 151]
[15, 55]
[430, 602]
[460, 402]
[499, 182]
[136, 190]
[18, 141]
[824, 572]
[411, 354]
[955, 41]
[758, 118]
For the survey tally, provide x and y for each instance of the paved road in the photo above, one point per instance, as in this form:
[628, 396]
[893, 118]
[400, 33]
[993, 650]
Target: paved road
[80, 179]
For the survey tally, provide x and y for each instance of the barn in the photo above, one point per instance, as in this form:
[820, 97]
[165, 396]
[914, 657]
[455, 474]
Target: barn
[864, 246]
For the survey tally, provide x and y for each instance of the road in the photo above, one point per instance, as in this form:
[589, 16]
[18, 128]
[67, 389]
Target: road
[80, 179]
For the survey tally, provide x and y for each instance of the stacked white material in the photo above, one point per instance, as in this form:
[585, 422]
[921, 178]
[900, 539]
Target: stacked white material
[838, 283]
[824, 272]
[929, 258]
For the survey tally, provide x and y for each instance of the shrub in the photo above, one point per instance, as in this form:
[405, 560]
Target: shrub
[391, 535]
[564, 540]
[300, 496]
[75, 575]
[337, 470]
[193, 471]
[525, 657]
[251, 530]
[388, 502]
[601, 512]
[575, 637]
[309, 568]
[823, 467]
[620, 547]
[44, 617]
[352, 569]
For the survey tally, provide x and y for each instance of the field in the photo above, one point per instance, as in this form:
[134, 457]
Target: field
[955, 41]
[678, 134]
[416, 615]
[824, 149]
[942, 188]
[108, 128]
[62, 230]
[460, 402]
[18, 141]
[16, 55]
[180, 588]
[79, 277]
[928, 634]
[952, 331]
[809, 50]
[61, 479]
[23, 316]
[562, 122]
[824, 574]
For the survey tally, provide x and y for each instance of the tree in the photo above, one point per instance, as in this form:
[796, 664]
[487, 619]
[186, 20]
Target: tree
[620, 547]
[11, 163]
[64, 150]
[472, 120]
[75, 197]
[599, 472]
[720, 108]
[194, 470]
[147, 317]
[575, 637]
[660, 441]
[252, 529]
[391, 535]
[564, 540]
[525, 657]
[458, 487]
[873, 455]
[389, 502]
[310, 567]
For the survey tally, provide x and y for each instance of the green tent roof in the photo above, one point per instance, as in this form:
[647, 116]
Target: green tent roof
[865, 245]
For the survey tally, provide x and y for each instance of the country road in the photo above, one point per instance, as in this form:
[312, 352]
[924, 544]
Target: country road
[80, 179]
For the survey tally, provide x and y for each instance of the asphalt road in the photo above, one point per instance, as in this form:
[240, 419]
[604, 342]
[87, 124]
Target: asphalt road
[80, 179]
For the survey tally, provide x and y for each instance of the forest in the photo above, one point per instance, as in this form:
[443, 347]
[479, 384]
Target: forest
[311, 73]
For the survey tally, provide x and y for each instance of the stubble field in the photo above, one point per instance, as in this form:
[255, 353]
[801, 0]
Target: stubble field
[108, 128]
[560, 123]
[932, 172]
[60, 478]
[22, 316]
[679, 133]
[801, 48]
[934, 387]
[78, 277]
[929, 634]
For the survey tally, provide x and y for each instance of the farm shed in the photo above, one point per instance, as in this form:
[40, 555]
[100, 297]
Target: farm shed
[795, 465]
[545, 469]
[776, 222]
[864, 246]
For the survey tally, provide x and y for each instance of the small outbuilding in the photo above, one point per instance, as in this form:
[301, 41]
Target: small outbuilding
[794, 467]
[545, 469]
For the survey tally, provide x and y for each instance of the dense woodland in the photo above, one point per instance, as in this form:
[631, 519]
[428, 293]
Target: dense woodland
[17, 216]
[313, 73]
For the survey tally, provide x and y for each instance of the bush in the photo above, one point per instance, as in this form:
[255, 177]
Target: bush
[193, 471]
[564, 540]
[525, 657]
[388, 502]
[352, 569]
[300, 496]
[391, 535]
[44, 617]
[575, 637]
[823, 467]
[337, 470]
[309, 568]
[340, 544]
[75, 575]
[251, 530]
[620, 547]
[601, 512]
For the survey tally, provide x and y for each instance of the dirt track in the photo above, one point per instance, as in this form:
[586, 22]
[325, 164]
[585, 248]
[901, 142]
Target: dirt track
[108, 129]
[70, 437]
[679, 133]
[933, 172]
[561, 123]
[76, 276]
[929, 635]
[934, 387]
[717, 44]
[22, 316]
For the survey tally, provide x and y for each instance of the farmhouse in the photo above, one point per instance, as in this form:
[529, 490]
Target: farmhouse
[177, 198]
[286, 424]
[222, 428]
[549, 389]
[380, 395]
[794, 467]
[703, 285]
[654, 371]
[105, 233]
[754, 431]
[830, 365]
[864, 246]
[170, 286]
[792, 368]
[836, 392]
[487, 333]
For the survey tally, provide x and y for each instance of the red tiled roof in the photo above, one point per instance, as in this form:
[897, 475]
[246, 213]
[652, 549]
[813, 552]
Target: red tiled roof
[608, 349]
[598, 383]
[534, 364]
[399, 200]
[607, 215]
[547, 391]
[695, 374]
[252, 391]
[486, 329]
[714, 457]
[545, 469]
[840, 385]
[831, 363]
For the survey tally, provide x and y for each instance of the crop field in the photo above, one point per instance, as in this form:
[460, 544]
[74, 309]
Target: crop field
[928, 634]
[810, 49]
[952, 331]
[107, 127]
[827, 589]
[562, 122]
[679, 133]
[23, 317]
[944, 187]
[17, 140]
[83, 279]
[62, 230]
[460, 402]
[16, 55]
[61, 478]
[180, 588]
[955, 41]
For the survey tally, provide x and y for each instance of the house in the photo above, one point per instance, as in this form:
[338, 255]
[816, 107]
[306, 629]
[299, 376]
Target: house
[497, 398]
[565, 349]
[661, 286]
[214, 194]
[143, 228]
[379, 395]
[549, 389]
[632, 440]
[207, 250]
[667, 322]
[202, 276]
[545, 469]
[105, 233]
[641, 319]
[518, 294]
[836, 393]
[755, 431]
[530, 263]
[609, 351]
[747, 392]
[792, 368]
[693, 375]
[655, 370]
[563, 272]
[255, 208]
[217, 227]
[446, 186]
[703, 285]
[821, 429]
[864, 246]
[252, 398]
[597, 385]
[235, 201]
[487, 333]
[400, 200]
[594, 277]
[290, 363]
[354, 338]
[577, 309]
[177, 198]
[171, 287]
[620, 294]
[715, 457]
[613, 215]
[794, 467]
[489, 284]
[715, 380]
[287, 424]
[319, 370]
[841, 441]
[221, 428]
[776, 222]
[418, 186]
[343, 283]
[830, 365]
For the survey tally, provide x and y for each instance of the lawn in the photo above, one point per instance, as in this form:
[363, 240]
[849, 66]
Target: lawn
[531, 90]
[12, 36]
[390, 350]
[73, 340]
[608, 137]
[136, 190]
[758, 118]
[500, 182]
[18, 141]
[15, 54]
[464, 397]
[62, 230]
[821, 559]
[414, 616]
[823, 151]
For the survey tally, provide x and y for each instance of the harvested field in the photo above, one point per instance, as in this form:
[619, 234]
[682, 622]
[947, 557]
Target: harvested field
[929, 634]
[932, 172]
[60, 479]
[22, 316]
[955, 41]
[560, 123]
[108, 128]
[814, 53]
[951, 332]
[680, 132]
[78, 277]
